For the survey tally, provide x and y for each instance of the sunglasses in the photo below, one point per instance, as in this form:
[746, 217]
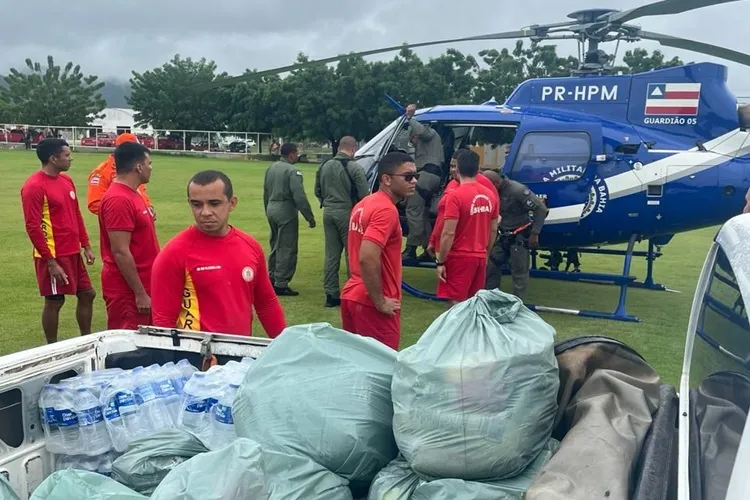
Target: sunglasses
[408, 177]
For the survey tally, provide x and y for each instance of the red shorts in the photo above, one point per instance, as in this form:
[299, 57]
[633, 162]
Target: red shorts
[465, 275]
[75, 269]
[369, 322]
[122, 314]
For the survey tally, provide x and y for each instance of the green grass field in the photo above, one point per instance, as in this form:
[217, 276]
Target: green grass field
[659, 337]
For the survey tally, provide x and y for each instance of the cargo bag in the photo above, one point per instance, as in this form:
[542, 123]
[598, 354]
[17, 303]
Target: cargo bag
[608, 402]
[148, 460]
[512, 488]
[6, 490]
[325, 394]
[476, 397]
[245, 470]
[76, 484]
[398, 482]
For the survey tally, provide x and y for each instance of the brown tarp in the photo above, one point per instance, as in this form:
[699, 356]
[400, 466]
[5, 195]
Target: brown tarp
[607, 397]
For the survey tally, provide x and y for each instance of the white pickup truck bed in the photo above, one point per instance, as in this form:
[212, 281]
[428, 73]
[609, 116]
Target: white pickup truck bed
[697, 446]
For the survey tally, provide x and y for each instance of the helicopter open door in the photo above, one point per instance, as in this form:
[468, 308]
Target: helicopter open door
[369, 155]
[558, 162]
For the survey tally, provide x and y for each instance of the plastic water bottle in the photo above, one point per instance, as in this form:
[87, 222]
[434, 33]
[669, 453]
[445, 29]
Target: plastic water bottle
[94, 433]
[81, 462]
[48, 417]
[194, 409]
[165, 392]
[122, 415]
[186, 369]
[67, 420]
[175, 375]
[222, 423]
[154, 412]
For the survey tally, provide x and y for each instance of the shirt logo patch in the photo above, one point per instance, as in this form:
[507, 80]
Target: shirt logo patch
[355, 222]
[480, 204]
[248, 274]
[72, 195]
[94, 181]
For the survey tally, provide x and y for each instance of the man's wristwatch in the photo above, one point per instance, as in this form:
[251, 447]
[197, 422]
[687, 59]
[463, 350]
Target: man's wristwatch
[438, 263]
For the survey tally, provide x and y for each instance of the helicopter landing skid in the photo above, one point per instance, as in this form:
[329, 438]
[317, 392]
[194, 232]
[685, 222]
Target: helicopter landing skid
[623, 280]
[553, 262]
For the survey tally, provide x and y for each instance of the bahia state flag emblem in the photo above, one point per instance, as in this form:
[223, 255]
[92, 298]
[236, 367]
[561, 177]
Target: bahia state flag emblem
[673, 99]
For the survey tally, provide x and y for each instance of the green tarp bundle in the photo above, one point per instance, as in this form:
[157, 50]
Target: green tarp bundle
[475, 398]
[325, 394]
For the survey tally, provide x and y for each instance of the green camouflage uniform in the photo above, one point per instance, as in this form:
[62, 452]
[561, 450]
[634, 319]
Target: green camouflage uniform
[516, 202]
[429, 151]
[337, 196]
[283, 196]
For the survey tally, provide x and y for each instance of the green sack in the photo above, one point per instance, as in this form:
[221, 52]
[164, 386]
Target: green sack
[232, 472]
[395, 482]
[294, 477]
[245, 470]
[513, 488]
[322, 393]
[475, 398]
[148, 460]
[6, 490]
[76, 484]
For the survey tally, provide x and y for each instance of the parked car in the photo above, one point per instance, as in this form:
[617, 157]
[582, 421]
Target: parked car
[102, 140]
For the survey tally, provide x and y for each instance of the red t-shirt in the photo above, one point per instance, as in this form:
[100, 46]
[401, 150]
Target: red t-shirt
[123, 209]
[474, 207]
[212, 283]
[375, 218]
[53, 218]
[440, 220]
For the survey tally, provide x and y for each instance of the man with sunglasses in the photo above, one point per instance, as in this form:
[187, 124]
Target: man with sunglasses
[371, 298]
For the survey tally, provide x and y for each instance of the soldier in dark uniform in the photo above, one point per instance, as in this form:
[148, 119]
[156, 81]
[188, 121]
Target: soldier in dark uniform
[339, 185]
[429, 157]
[518, 232]
[283, 197]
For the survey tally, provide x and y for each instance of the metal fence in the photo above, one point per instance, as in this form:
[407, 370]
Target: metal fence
[195, 141]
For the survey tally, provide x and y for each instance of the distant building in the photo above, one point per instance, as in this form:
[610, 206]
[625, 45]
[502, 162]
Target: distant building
[119, 120]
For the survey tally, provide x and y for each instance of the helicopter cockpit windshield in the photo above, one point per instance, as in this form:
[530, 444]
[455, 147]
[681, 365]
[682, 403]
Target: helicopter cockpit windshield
[374, 145]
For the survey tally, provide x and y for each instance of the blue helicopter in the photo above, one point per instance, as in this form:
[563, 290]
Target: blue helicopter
[618, 159]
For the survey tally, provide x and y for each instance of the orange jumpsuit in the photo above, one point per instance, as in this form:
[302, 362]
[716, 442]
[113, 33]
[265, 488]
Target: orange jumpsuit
[99, 181]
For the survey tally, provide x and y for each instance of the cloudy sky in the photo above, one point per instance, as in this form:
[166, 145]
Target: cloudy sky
[112, 38]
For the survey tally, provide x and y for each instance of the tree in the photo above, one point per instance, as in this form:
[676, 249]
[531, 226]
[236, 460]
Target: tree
[169, 97]
[639, 61]
[508, 69]
[52, 95]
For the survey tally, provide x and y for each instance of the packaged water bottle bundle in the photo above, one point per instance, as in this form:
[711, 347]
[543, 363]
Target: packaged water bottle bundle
[92, 418]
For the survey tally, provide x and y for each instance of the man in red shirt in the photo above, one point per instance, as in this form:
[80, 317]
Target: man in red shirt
[55, 227]
[128, 240]
[211, 275]
[371, 298]
[469, 231]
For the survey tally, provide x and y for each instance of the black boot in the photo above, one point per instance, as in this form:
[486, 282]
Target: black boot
[286, 291]
[332, 301]
[409, 253]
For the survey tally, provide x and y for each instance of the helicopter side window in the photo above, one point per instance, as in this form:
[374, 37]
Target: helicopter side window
[552, 156]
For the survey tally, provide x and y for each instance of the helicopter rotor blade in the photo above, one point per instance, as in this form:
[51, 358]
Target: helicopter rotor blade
[524, 33]
[664, 7]
[704, 48]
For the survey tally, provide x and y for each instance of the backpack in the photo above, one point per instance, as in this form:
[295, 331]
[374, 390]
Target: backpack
[353, 195]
